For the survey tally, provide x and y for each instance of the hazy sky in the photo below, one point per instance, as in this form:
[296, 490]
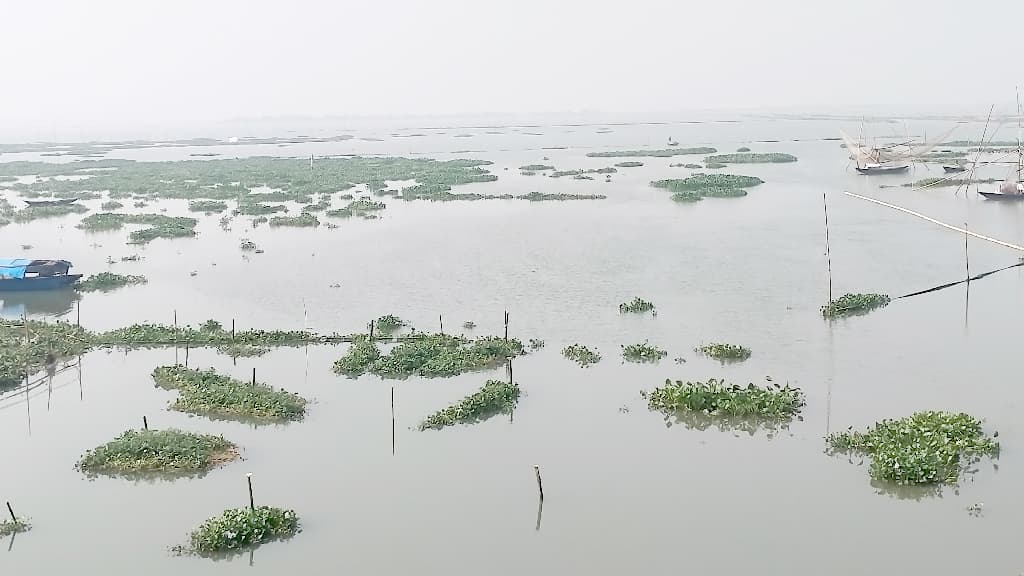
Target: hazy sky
[105, 62]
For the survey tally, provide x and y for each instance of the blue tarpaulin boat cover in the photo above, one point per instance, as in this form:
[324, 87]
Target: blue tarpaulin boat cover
[13, 267]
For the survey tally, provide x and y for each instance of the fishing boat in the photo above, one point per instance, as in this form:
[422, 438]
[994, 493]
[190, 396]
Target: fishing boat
[20, 274]
[61, 202]
[873, 168]
[953, 168]
[1011, 189]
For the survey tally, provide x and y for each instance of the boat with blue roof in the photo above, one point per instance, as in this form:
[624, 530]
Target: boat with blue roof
[21, 274]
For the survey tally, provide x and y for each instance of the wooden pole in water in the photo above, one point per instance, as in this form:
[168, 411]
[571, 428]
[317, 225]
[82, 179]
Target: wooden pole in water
[828, 248]
[392, 420]
[78, 312]
[175, 319]
[506, 325]
[440, 320]
[510, 371]
[967, 256]
[252, 503]
[934, 221]
[145, 423]
[372, 324]
[186, 355]
[11, 510]
[232, 329]
[253, 375]
[540, 483]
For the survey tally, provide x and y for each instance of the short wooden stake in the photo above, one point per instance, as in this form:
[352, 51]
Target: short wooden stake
[254, 376]
[372, 324]
[11, 510]
[78, 312]
[145, 423]
[440, 320]
[186, 355]
[540, 483]
[175, 319]
[252, 503]
[232, 329]
[506, 325]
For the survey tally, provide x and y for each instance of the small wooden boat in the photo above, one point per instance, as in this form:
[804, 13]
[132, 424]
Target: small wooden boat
[61, 202]
[873, 169]
[19, 274]
[953, 168]
[1001, 196]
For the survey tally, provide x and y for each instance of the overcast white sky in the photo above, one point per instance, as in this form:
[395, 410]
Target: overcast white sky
[107, 62]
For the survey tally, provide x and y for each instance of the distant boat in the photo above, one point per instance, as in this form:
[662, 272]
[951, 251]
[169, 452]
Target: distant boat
[873, 168]
[18, 274]
[61, 202]
[953, 168]
[672, 142]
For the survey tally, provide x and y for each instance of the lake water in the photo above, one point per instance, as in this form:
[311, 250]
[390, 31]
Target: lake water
[625, 492]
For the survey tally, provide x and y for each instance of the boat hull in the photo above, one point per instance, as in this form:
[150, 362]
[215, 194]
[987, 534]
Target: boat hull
[1002, 197]
[38, 283]
[871, 170]
[954, 169]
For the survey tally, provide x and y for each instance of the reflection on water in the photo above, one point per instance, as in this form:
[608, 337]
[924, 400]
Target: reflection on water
[751, 426]
[44, 303]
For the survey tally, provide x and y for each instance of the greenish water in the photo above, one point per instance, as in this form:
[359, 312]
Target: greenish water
[625, 493]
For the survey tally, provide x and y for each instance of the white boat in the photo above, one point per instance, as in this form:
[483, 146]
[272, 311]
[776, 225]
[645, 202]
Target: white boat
[871, 168]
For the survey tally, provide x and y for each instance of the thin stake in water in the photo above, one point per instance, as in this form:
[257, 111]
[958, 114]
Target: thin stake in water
[967, 257]
[252, 503]
[11, 510]
[145, 423]
[828, 250]
[540, 483]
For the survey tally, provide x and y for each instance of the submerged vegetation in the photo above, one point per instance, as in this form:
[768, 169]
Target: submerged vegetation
[652, 153]
[643, 352]
[717, 398]
[495, 397]
[304, 220]
[536, 167]
[636, 306]
[428, 355]
[8, 527]
[750, 158]
[242, 528]
[925, 448]
[158, 451]
[850, 304]
[39, 212]
[629, 164]
[724, 352]
[581, 355]
[107, 281]
[207, 206]
[207, 393]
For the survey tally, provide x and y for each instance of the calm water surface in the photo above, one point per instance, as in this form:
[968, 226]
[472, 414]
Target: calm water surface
[625, 491]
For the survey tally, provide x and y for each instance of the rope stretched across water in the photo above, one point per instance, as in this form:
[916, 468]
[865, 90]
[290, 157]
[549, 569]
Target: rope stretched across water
[950, 284]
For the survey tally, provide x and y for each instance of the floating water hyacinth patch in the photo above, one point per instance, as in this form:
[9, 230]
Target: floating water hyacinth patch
[241, 528]
[581, 355]
[495, 397]
[851, 304]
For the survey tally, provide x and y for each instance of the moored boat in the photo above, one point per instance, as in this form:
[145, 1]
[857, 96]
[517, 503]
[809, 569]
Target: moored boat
[882, 168]
[61, 202]
[20, 274]
[953, 168]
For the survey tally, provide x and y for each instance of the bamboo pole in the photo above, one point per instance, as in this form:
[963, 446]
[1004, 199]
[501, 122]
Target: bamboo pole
[934, 221]
[828, 249]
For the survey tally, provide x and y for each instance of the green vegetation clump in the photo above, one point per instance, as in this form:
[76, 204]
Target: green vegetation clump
[581, 355]
[259, 209]
[636, 306]
[722, 193]
[687, 196]
[428, 355]
[925, 448]
[387, 324]
[629, 164]
[359, 358]
[207, 206]
[849, 304]
[743, 149]
[652, 153]
[8, 527]
[536, 167]
[159, 225]
[750, 158]
[700, 182]
[495, 397]
[158, 451]
[560, 197]
[717, 398]
[364, 205]
[304, 220]
[320, 206]
[107, 281]
[536, 343]
[714, 165]
[111, 205]
[643, 352]
[724, 352]
[207, 393]
[561, 173]
[242, 528]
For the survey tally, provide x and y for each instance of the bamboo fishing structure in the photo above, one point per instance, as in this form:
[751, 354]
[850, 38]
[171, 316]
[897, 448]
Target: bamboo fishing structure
[940, 223]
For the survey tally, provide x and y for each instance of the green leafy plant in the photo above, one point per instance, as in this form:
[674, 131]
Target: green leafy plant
[207, 206]
[925, 448]
[111, 205]
[536, 344]
[636, 306]
[207, 393]
[389, 323]
[642, 352]
[359, 358]
[108, 281]
[850, 304]
[242, 528]
[717, 398]
[304, 220]
[8, 527]
[724, 352]
[750, 158]
[699, 182]
[581, 355]
[495, 397]
[158, 451]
